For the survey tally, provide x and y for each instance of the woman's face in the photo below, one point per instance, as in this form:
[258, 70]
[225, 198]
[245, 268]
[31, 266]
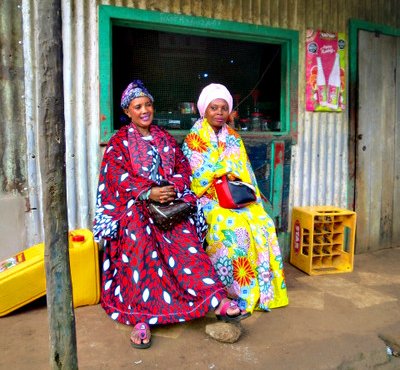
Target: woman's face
[217, 113]
[141, 113]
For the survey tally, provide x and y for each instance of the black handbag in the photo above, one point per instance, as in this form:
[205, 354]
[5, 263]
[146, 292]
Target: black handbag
[166, 215]
[234, 194]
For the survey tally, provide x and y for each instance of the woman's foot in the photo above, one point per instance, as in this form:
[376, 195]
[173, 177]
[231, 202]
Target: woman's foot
[229, 311]
[141, 336]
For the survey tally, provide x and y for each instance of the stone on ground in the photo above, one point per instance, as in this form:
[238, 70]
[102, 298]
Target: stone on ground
[224, 332]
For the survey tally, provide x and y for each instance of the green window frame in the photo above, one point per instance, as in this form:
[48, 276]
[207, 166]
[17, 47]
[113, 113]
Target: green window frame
[199, 26]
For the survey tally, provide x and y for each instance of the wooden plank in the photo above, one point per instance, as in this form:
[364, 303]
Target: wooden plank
[363, 156]
[388, 47]
[51, 141]
[278, 162]
[396, 184]
[375, 132]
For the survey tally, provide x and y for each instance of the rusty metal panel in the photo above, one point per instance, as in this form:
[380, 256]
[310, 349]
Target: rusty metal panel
[396, 186]
[13, 173]
[12, 128]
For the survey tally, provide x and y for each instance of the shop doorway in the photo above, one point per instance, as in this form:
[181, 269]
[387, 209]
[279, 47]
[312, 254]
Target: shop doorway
[377, 184]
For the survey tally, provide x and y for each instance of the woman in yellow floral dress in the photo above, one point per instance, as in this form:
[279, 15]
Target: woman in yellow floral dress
[241, 243]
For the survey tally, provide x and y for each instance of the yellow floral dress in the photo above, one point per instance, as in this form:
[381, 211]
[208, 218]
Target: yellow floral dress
[242, 243]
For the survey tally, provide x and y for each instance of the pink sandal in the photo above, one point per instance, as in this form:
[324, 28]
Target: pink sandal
[224, 316]
[142, 328]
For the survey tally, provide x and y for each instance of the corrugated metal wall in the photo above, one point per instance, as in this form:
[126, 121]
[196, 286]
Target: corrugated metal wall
[12, 118]
[320, 159]
[13, 176]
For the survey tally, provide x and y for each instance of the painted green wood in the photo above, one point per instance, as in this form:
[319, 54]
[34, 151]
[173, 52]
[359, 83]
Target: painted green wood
[284, 243]
[200, 26]
[105, 72]
[277, 181]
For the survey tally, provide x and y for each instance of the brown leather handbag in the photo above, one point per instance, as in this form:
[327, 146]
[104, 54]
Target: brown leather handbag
[166, 215]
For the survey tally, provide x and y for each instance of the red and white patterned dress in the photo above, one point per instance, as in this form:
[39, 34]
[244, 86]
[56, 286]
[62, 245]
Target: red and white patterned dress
[149, 275]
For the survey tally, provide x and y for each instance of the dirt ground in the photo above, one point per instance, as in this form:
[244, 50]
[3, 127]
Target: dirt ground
[332, 322]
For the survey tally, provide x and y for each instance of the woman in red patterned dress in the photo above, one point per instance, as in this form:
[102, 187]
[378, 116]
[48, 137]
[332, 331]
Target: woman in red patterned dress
[151, 276]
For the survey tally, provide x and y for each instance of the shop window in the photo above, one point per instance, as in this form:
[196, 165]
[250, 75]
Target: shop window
[176, 56]
[176, 67]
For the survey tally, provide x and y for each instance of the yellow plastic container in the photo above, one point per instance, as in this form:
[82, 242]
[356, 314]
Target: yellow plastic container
[322, 240]
[23, 278]
[84, 263]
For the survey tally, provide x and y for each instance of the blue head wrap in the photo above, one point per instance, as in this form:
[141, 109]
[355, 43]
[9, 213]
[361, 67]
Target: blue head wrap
[135, 89]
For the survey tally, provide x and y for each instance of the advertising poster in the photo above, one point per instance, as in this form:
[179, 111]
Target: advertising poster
[325, 71]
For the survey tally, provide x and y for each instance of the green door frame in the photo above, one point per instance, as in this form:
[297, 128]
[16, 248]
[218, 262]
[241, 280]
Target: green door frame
[355, 26]
[199, 26]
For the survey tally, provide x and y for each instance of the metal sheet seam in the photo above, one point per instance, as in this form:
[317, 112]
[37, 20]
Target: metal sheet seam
[81, 90]
[68, 108]
[34, 217]
[79, 119]
[94, 111]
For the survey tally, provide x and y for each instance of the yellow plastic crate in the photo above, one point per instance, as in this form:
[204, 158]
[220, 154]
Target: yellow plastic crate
[23, 278]
[322, 240]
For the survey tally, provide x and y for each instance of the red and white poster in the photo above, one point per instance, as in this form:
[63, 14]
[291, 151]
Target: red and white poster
[325, 71]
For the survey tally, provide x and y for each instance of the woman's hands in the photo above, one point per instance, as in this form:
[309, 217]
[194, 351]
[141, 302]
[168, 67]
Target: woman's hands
[162, 194]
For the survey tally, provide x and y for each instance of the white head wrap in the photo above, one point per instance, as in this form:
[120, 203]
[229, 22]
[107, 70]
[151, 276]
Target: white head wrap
[212, 92]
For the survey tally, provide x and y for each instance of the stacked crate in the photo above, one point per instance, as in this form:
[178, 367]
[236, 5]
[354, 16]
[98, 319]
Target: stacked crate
[323, 239]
